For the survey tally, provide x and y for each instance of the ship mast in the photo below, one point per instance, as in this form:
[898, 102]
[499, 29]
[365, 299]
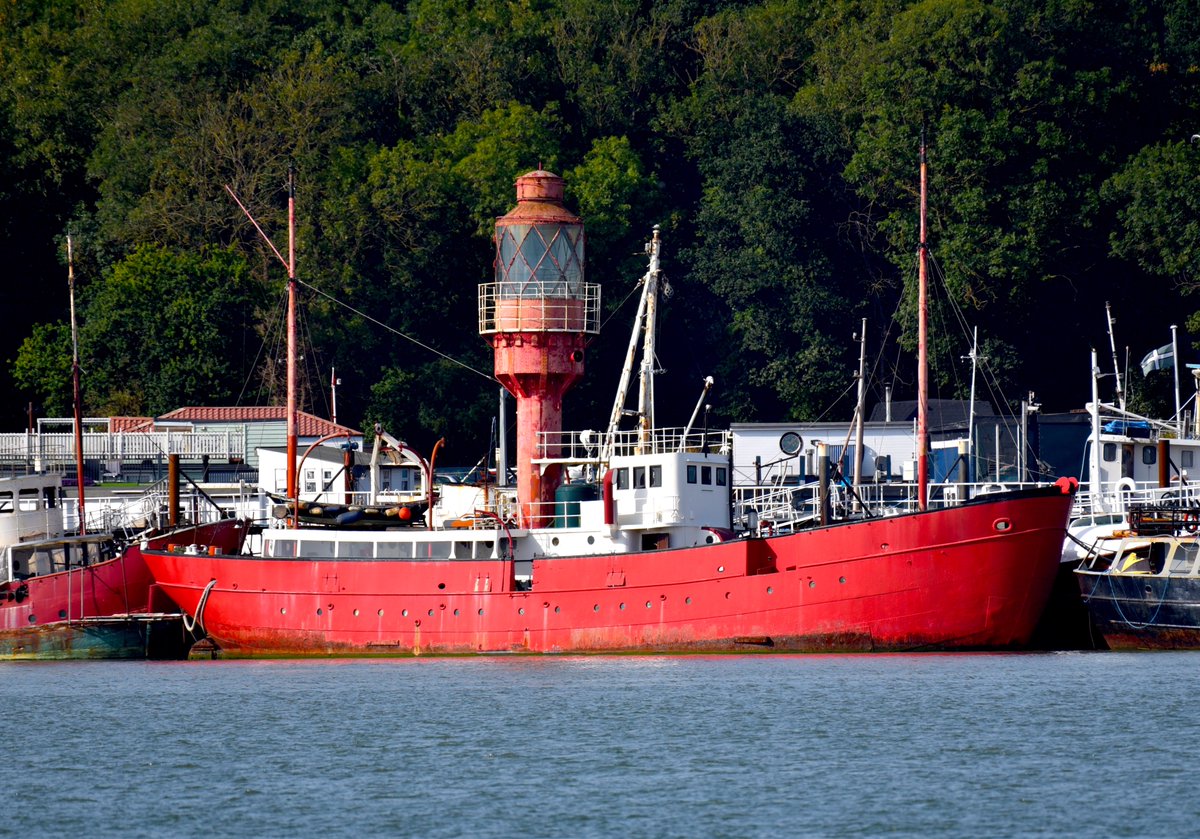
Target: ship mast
[646, 383]
[1112, 343]
[922, 355]
[293, 492]
[643, 327]
[77, 398]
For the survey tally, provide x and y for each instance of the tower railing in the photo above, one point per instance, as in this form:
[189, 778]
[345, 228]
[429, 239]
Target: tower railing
[538, 307]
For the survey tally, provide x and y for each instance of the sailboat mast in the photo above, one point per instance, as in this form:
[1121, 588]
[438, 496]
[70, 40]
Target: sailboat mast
[922, 355]
[77, 399]
[292, 478]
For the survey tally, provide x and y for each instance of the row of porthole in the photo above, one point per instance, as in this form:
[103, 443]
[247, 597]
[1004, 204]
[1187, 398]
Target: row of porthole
[557, 609]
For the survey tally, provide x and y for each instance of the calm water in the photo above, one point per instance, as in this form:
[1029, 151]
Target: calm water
[1080, 744]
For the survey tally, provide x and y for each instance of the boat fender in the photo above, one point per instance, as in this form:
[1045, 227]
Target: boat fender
[1069, 486]
[349, 517]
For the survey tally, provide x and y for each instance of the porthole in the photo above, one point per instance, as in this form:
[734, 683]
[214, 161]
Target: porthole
[1002, 525]
[431, 613]
[403, 613]
[596, 608]
[481, 613]
[591, 540]
[647, 604]
[380, 613]
[554, 541]
[456, 613]
[33, 618]
[812, 583]
[622, 607]
[441, 586]
[726, 595]
[1149, 590]
[283, 610]
[62, 613]
[841, 579]
[708, 540]
[558, 610]
[884, 546]
[770, 590]
[720, 569]
[521, 611]
[320, 611]
[687, 601]
[356, 613]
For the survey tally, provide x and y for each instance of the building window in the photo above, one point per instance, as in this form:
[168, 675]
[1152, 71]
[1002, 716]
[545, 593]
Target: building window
[691, 473]
[655, 476]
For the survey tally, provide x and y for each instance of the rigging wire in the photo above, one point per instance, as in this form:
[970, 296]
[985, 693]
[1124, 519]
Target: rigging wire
[395, 331]
[270, 329]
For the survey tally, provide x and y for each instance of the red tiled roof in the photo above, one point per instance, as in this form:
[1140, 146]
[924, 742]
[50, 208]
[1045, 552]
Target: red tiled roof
[119, 424]
[307, 424]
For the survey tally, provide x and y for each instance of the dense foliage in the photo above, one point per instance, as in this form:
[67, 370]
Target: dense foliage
[775, 142]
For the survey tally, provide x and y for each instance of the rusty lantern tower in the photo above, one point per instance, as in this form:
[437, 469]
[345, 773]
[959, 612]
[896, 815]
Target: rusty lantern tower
[537, 315]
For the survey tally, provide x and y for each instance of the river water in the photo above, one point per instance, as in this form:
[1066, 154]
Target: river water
[1082, 744]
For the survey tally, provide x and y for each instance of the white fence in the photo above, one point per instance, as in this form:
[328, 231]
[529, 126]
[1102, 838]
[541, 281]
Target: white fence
[47, 449]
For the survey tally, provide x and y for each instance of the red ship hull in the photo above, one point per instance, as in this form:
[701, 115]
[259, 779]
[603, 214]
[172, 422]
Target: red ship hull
[55, 615]
[975, 576]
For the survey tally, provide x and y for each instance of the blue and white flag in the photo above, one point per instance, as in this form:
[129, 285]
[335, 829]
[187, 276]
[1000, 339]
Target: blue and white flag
[1158, 359]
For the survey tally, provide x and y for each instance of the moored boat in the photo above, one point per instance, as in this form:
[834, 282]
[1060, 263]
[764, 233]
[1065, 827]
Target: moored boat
[1142, 587]
[90, 596]
[640, 556]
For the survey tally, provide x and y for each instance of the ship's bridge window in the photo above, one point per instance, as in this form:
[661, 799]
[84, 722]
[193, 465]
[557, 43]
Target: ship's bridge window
[691, 473]
[6, 502]
[1149, 455]
[706, 475]
[655, 476]
[1185, 458]
[1110, 452]
[639, 477]
[281, 547]
[621, 481]
[721, 476]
